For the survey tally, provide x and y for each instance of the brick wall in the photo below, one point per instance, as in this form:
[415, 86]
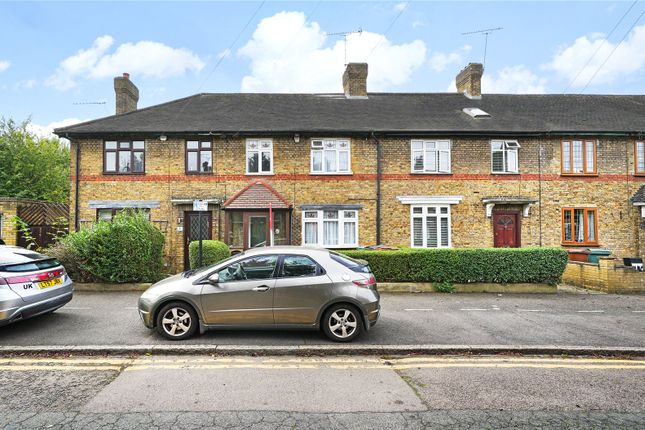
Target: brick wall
[165, 177]
[8, 210]
[605, 276]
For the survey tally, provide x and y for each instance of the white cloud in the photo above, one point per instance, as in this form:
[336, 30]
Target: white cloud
[144, 58]
[48, 130]
[224, 54]
[628, 58]
[288, 55]
[400, 7]
[4, 65]
[26, 84]
[440, 60]
[513, 80]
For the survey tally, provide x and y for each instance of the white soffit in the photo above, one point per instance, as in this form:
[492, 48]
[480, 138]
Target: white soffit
[430, 200]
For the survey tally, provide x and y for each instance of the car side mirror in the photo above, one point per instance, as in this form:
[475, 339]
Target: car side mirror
[213, 279]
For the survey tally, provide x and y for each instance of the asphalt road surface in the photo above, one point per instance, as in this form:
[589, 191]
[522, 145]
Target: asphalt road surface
[407, 319]
[322, 393]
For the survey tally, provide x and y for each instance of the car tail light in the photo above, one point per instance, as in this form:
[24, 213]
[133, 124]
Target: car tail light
[2, 282]
[36, 277]
[366, 283]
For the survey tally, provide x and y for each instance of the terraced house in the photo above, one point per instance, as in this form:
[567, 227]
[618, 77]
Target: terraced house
[345, 170]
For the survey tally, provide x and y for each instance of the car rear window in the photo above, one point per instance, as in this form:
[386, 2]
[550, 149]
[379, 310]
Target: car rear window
[351, 263]
[30, 267]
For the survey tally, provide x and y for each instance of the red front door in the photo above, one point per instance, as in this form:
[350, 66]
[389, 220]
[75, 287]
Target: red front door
[506, 228]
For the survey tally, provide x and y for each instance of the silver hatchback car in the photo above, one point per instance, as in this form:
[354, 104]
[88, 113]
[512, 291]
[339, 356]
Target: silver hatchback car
[30, 284]
[273, 287]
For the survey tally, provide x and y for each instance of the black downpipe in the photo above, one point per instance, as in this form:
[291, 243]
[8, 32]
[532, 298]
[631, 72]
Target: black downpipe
[76, 182]
[378, 189]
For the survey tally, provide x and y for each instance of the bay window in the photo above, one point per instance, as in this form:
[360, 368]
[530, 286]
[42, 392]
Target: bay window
[330, 228]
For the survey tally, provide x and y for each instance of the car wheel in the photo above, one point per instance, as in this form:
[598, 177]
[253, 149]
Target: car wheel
[342, 323]
[177, 321]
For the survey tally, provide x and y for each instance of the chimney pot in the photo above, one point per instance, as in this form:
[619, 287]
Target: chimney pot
[355, 80]
[127, 94]
[469, 80]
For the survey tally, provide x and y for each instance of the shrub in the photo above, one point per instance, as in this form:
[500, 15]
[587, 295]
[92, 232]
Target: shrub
[444, 287]
[213, 251]
[127, 249]
[495, 265]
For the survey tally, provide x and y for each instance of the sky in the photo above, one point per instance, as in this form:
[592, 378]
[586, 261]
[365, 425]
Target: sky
[58, 59]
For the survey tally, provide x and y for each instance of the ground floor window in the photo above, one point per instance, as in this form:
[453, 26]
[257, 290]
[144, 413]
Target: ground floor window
[330, 228]
[107, 214]
[430, 226]
[580, 226]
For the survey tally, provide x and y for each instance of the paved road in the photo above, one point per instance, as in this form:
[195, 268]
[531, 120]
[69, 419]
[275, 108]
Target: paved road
[322, 393]
[467, 319]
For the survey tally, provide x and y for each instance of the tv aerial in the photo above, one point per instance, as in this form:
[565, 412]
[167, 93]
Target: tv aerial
[345, 34]
[485, 32]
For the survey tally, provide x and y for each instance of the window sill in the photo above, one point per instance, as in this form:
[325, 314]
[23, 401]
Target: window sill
[640, 174]
[579, 244]
[199, 173]
[504, 173]
[123, 174]
[579, 174]
[331, 173]
[331, 246]
[431, 173]
[260, 174]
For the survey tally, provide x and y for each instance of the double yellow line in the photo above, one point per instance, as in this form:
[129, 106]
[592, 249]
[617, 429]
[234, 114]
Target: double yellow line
[404, 363]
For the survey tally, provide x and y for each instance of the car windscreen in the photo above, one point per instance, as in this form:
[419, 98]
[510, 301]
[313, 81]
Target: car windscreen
[351, 263]
[201, 270]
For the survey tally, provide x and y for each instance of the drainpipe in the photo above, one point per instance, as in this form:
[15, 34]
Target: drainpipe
[378, 188]
[76, 182]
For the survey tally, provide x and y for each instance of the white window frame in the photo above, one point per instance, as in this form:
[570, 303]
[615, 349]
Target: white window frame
[323, 145]
[639, 155]
[259, 150]
[507, 146]
[342, 220]
[424, 225]
[431, 145]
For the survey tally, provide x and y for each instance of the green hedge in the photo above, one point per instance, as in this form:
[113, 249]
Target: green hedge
[127, 249]
[213, 251]
[462, 266]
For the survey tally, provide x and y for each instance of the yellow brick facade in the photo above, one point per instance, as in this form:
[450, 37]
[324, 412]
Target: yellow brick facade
[539, 179]
[8, 211]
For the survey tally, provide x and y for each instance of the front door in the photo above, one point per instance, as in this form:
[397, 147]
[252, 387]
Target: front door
[506, 229]
[194, 229]
[244, 293]
[258, 230]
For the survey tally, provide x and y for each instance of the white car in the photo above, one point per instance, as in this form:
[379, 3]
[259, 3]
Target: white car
[30, 284]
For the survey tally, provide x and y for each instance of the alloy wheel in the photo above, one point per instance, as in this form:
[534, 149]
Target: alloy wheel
[342, 323]
[176, 321]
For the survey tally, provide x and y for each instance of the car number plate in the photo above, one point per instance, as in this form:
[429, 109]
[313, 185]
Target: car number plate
[50, 283]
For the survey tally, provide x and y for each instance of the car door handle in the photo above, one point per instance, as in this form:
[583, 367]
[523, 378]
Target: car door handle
[261, 288]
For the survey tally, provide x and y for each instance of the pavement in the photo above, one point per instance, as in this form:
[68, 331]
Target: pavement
[286, 392]
[409, 323]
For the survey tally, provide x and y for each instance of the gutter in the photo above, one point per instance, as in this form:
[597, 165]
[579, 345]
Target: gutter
[378, 188]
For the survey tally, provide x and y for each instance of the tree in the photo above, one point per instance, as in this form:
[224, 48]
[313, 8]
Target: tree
[32, 166]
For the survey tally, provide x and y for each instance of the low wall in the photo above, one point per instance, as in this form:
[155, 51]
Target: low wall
[478, 287]
[605, 276]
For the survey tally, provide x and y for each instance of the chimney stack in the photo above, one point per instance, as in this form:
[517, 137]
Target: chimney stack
[469, 80]
[355, 80]
[127, 94]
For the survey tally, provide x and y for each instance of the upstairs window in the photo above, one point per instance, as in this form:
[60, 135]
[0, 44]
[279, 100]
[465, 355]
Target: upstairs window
[199, 157]
[259, 157]
[504, 156]
[578, 157]
[579, 226]
[430, 225]
[430, 156]
[330, 156]
[124, 157]
[330, 228]
[639, 158]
